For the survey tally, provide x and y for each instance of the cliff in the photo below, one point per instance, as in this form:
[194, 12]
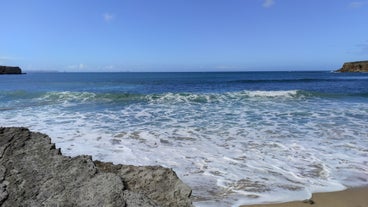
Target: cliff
[34, 173]
[10, 70]
[359, 66]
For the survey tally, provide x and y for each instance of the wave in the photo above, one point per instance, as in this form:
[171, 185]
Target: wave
[72, 97]
[270, 94]
[170, 97]
[301, 137]
[88, 97]
[300, 80]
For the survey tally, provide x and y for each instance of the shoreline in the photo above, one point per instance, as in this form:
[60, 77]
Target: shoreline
[351, 197]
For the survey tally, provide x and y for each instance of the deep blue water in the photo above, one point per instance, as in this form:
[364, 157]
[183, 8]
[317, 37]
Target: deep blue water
[234, 137]
[321, 82]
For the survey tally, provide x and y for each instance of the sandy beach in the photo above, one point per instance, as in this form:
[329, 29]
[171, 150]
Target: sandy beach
[356, 197]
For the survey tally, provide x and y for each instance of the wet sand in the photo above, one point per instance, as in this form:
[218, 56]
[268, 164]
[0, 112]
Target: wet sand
[356, 197]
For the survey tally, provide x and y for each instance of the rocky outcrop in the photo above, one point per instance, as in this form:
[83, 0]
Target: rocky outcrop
[34, 173]
[10, 70]
[359, 66]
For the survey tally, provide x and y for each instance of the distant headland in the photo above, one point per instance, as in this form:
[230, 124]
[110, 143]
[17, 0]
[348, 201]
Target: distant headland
[10, 70]
[358, 66]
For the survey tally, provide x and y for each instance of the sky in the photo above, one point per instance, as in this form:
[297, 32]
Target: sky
[182, 35]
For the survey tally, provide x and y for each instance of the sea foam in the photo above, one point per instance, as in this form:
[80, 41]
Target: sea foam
[232, 148]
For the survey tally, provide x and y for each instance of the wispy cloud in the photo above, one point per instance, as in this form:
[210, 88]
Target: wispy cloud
[77, 66]
[5, 59]
[109, 67]
[268, 3]
[108, 17]
[357, 4]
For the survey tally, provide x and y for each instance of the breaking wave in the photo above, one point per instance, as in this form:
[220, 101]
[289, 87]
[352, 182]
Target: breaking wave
[70, 96]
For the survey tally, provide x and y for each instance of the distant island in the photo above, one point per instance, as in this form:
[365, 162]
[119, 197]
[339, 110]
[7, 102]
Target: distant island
[10, 70]
[358, 66]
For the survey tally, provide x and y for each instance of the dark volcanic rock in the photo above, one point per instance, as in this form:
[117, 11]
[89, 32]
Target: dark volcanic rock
[10, 70]
[34, 173]
[359, 66]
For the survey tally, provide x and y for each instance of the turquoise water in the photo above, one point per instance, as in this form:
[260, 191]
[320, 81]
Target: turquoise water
[235, 138]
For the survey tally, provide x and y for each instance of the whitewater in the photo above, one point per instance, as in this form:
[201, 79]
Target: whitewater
[234, 138]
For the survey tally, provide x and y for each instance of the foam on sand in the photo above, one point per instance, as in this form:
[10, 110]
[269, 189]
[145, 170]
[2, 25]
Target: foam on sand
[348, 198]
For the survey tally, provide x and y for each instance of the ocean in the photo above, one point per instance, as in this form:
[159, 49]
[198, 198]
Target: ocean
[233, 137]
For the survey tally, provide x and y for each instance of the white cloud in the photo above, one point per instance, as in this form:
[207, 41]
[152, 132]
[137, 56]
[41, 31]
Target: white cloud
[108, 17]
[268, 3]
[357, 4]
[109, 67]
[77, 66]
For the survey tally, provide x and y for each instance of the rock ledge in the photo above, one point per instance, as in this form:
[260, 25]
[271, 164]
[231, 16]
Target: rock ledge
[34, 173]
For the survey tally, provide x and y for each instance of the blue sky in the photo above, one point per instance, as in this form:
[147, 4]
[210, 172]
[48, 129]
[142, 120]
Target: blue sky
[182, 35]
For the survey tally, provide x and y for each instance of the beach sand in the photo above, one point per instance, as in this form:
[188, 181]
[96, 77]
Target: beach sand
[357, 197]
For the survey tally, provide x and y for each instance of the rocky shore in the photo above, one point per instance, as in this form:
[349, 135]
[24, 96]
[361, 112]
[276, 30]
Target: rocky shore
[358, 66]
[34, 173]
[10, 70]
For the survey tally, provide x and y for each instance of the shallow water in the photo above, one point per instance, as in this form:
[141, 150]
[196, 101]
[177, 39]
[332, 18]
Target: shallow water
[235, 138]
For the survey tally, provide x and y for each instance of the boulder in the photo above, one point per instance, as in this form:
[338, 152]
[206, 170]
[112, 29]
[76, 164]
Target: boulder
[359, 66]
[152, 181]
[34, 173]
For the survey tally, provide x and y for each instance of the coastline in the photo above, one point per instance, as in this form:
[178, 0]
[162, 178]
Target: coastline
[352, 197]
[258, 142]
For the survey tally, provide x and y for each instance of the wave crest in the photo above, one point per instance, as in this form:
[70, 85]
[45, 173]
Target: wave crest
[69, 96]
[273, 94]
[91, 97]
